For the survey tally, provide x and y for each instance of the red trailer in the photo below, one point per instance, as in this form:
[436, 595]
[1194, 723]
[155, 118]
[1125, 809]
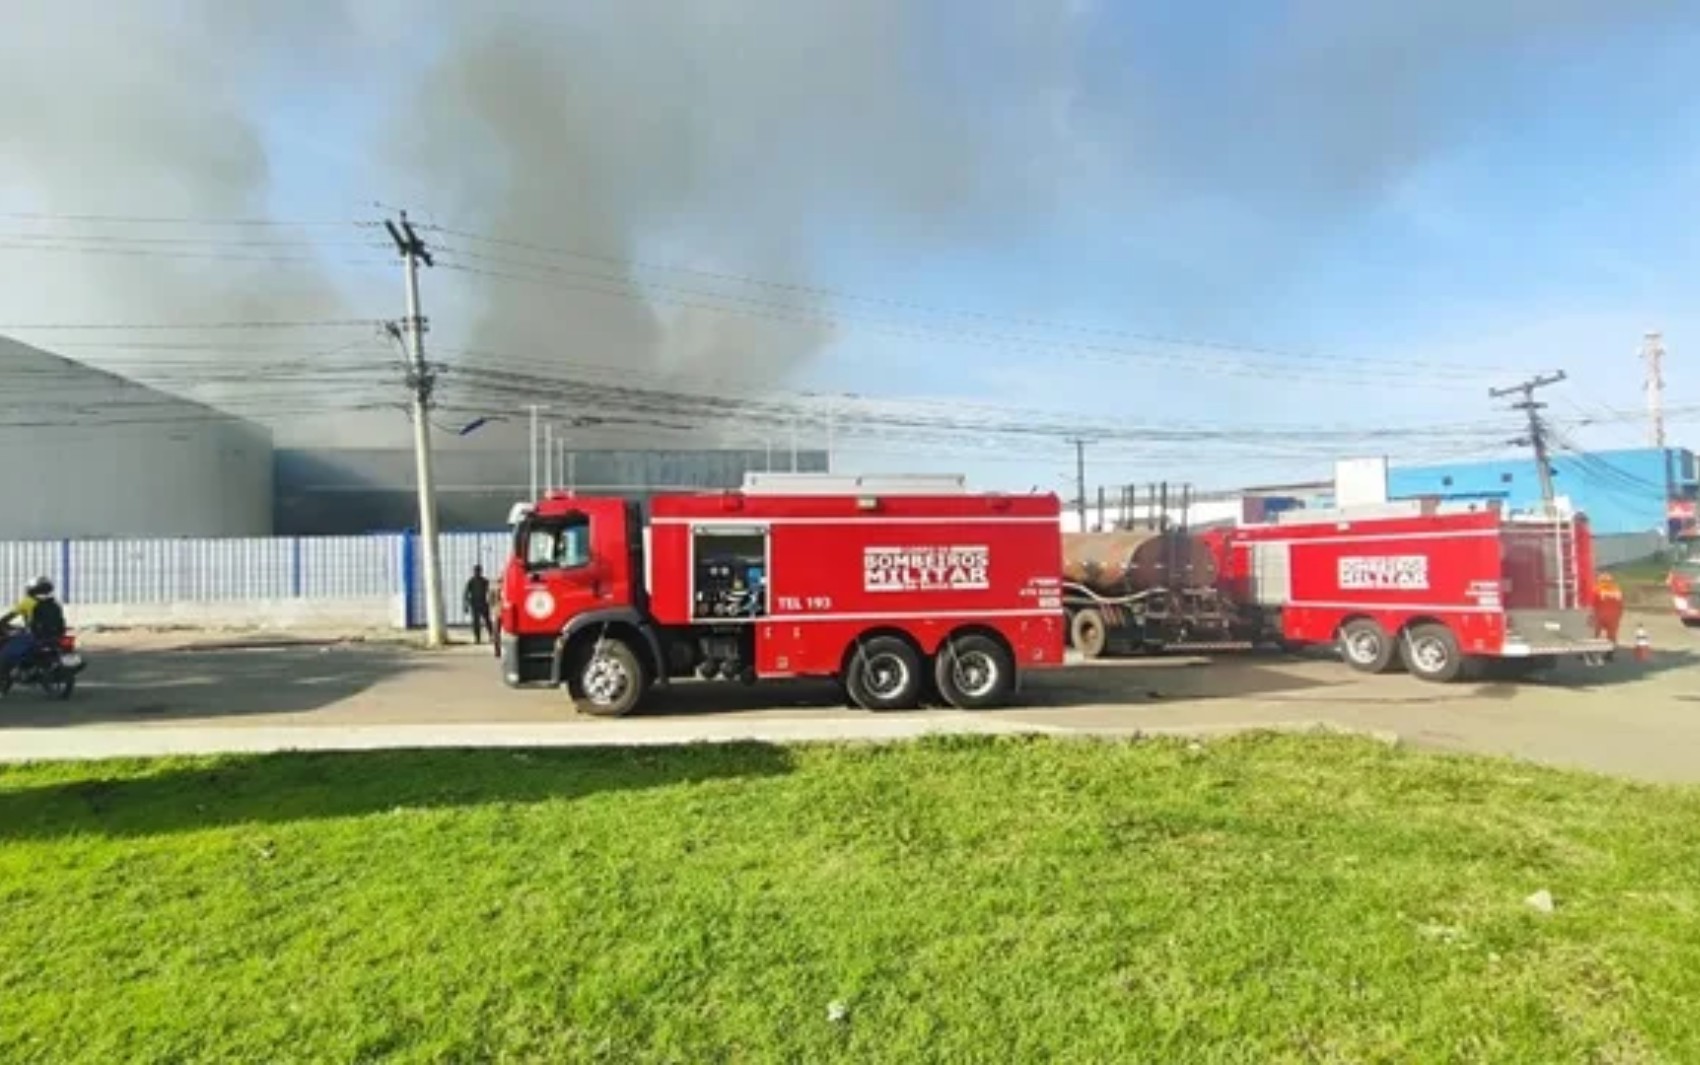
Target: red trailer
[1434, 590]
[893, 593]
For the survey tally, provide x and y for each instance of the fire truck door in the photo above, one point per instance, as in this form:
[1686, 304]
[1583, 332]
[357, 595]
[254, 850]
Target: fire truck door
[563, 576]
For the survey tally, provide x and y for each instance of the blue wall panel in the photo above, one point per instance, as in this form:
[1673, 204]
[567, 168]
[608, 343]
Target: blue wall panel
[1620, 491]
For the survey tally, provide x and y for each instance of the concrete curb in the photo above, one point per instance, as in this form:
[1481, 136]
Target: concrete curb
[38, 745]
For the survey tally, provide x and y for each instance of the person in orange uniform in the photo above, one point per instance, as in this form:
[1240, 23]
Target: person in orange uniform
[1608, 606]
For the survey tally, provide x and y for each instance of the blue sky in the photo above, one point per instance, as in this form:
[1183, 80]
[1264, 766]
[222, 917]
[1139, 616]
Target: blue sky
[1480, 185]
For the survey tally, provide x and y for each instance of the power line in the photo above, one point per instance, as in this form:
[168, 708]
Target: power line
[826, 292]
[148, 253]
[208, 241]
[1102, 354]
[316, 323]
[176, 220]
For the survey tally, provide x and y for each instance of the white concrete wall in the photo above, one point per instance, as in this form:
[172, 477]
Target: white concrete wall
[352, 615]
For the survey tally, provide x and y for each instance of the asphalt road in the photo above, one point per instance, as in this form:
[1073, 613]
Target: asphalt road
[146, 696]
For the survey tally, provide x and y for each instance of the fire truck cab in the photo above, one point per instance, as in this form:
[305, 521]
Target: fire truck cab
[896, 587]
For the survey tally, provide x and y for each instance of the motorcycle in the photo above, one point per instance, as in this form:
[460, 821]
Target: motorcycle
[51, 665]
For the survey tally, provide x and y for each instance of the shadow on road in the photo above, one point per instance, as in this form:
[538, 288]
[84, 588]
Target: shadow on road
[1624, 669]
[136, 687]
[1131, 682]
[280, 788]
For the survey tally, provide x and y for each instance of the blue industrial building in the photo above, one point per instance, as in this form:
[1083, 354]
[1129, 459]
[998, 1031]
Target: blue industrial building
[1629, 491]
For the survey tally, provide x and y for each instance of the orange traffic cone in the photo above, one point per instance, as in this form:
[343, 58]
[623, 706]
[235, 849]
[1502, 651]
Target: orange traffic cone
[1643, 645]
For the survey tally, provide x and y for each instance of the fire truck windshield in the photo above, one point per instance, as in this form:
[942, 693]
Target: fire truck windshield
[558, 543]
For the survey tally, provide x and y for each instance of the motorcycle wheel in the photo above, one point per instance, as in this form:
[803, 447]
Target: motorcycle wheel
[58, 685]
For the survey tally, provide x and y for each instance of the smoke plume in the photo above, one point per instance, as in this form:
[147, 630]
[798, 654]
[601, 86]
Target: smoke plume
[750, 138]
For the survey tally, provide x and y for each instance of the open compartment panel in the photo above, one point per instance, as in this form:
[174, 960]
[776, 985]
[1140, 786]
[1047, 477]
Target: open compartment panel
[729, 572]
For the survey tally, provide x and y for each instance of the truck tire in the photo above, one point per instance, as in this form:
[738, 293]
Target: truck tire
[605, 678]
[1365, 646]
[1087, 633]
[974, 673]
[884, 674]
[1430, 652]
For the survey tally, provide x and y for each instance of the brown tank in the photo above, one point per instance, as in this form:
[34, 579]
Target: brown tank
[1124, 563]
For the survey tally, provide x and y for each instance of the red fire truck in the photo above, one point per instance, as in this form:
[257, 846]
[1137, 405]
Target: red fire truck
[897, 588]
[1439, 591]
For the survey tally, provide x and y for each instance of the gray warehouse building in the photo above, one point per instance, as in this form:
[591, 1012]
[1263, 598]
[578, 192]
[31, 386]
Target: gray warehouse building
[89, 455]
[333, 491]
[93, 455]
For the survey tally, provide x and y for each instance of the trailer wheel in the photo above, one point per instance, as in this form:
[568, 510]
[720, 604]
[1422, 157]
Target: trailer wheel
[884, 674]
[1365, 646]
[606, 679]
[974, 672]
[1431, 653]
[1087, 634]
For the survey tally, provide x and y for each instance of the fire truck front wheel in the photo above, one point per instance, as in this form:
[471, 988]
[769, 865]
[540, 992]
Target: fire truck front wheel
[1365, 646]
[884, 674]
[1431, 652]
[605, 678]
[974, 672]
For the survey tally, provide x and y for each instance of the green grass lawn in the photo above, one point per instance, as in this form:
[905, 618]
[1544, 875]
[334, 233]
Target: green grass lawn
[1258, 899]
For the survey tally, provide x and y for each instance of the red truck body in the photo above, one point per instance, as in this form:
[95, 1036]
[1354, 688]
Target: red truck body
[1438, 591]
[890, 593]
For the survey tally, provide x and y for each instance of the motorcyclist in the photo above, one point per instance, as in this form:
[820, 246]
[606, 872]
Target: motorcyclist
[43, 622]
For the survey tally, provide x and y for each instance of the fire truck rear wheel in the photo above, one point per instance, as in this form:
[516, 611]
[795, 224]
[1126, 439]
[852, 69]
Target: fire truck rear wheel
[1087, 634]
[884, 674]
[974, 673]
[1365, 646]
[1431, 652]
[606, 678]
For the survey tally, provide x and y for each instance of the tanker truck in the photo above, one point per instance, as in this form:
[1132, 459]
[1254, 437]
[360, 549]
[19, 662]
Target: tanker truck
[1150, 590]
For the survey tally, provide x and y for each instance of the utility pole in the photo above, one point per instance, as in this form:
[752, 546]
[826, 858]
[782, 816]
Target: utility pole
[1080, 479]
[548, 458]
[1537, 437]
[831, 430]
[533, 497]
[1653, 355]
[420, 381]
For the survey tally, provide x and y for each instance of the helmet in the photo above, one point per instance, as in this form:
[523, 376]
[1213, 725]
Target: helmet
[41, 587]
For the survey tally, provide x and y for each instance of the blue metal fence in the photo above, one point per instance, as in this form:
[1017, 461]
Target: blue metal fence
[270, 568]
[459, 552]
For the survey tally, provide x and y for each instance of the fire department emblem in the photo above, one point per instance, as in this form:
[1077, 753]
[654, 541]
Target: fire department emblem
[539, 604]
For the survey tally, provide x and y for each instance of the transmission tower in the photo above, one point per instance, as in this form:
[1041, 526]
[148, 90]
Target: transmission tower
[1653, 357]
[1537, 437]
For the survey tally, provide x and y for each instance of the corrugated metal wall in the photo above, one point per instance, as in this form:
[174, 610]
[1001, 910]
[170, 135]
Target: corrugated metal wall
[461, 551]
[126, 572]
[22, 561]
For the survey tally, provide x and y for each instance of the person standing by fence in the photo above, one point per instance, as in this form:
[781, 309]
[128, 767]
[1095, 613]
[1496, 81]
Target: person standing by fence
[495, 617]
[478, 606]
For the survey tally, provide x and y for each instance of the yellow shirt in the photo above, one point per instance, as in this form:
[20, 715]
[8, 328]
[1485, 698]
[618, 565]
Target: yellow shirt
[25, 610]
